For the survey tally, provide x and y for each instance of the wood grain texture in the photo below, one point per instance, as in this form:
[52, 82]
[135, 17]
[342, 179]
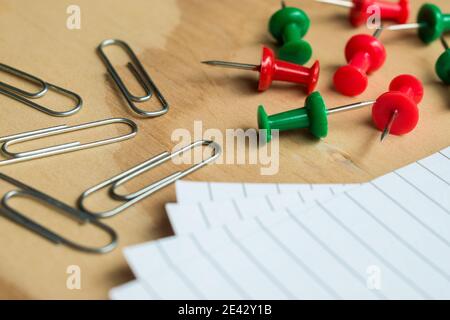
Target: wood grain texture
[171, 37]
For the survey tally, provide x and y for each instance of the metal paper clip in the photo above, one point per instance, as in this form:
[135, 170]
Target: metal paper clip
[141, 76]
[61, 148]
[29, 192]
[131, 199]
[24, 96]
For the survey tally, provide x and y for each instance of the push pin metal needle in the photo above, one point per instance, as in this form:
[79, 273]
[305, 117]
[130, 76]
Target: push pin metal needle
[444, 43]
[360, 10]
[340, 3]
[378, 32]
[272, 69]
[431, 23]
[387, 129]
[232, 65]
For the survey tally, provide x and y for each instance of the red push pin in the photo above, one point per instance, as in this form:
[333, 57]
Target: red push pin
[272, 69]
[396, 111]
[361, 10]
[364, 54]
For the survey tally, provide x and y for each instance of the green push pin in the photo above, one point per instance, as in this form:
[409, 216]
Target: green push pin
[431, 23]
[314, 116]
[288, 26]
[443, 64]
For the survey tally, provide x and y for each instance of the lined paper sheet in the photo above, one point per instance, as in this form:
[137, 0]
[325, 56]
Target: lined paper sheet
[281, 256]
[325, 253]
[190, 192]
[226, 267]
[387, 239]
[189, 218]
[421, 189]
[204, 205]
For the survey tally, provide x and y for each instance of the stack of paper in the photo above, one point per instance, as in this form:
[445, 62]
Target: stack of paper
[385, 239]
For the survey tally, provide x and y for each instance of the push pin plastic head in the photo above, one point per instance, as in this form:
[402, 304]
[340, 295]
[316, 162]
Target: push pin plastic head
[360, 10]
[431, 23]
[393, 112]
[398, 12]
[364, 54]
[314, 117]
[396, 112]
[443, 64]
[272, 69]
[288, 26]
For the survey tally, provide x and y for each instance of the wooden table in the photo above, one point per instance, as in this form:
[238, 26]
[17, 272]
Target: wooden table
[171, 37]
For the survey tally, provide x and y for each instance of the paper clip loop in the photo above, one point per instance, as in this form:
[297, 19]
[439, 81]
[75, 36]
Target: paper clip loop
[24, 96]
[131, 199]
[61, 148]
[141, 76]
[29, 192]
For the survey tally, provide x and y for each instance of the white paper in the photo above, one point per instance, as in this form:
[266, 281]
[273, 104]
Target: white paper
[387, 239]
[192, 216]
[191, 192]
[421, 190]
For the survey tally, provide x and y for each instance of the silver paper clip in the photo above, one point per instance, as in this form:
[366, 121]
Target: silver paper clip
[29, 192]
[25, 96]
[15, 157]
[141, 76]
[131, 199]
